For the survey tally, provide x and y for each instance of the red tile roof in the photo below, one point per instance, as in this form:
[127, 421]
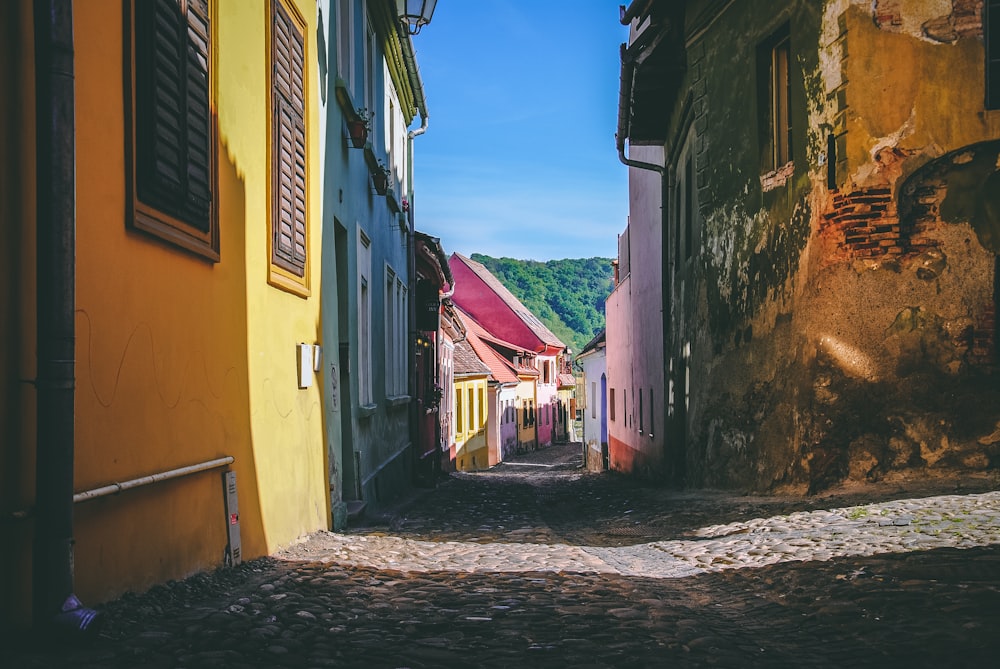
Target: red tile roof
[503, 370]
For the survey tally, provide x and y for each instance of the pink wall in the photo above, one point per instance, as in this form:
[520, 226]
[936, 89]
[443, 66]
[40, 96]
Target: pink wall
[635, 331]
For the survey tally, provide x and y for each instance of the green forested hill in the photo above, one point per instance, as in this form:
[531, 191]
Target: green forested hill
[567, 295]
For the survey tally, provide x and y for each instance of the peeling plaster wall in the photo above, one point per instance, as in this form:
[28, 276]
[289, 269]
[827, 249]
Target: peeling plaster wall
[842, 332]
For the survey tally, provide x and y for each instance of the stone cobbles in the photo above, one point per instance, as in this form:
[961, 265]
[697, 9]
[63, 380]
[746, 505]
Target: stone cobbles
[537, 564]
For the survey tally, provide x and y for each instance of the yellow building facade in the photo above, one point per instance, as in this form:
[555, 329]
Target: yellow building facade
[188, 330]
[471, 451]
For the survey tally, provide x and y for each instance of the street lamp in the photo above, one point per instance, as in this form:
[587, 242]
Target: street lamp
[415, 14]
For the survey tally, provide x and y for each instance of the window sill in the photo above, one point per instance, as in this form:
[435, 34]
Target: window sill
[367, 410]
[397, 400]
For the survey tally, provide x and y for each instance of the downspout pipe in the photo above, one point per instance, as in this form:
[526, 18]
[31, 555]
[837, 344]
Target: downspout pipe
[55, 608]
[413, 73]
[625, 112]
[416, 83]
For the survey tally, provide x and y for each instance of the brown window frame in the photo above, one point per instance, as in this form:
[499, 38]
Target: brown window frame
[774, 75]
[288, 234]
[178, 202]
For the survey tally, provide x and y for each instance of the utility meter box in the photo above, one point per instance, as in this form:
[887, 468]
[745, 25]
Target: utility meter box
[234, 552]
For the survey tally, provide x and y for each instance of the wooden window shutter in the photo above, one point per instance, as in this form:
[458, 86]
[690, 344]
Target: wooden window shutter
[173, 115]
[288, 227]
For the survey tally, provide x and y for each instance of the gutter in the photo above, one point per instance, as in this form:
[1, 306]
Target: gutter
[416, 83]
[637, 6]
[56, 610]
[625, 112]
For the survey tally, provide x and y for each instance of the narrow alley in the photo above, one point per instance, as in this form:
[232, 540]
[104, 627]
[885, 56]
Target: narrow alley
[540, 563]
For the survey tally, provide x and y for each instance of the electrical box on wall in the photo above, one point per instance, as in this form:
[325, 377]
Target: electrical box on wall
[305, 360]
[234, 549]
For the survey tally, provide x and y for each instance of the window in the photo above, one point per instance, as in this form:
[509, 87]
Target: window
[364, 320]
[651, 412]
[171, 146]
[991, 36]
[611, 403]
[370, 62]
[593, 399]
[473, 413]
[395, 334]
[288, 151]
[685, 209]
[774, 94]
[345, 42]
[459, 413]
[640, 411]
[689, 200]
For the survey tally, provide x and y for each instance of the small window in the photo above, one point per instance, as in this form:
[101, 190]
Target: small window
[593, 399]
[774, 99]
[689, 200]
[364, 321]
[611, 403]
[345, 42]
[473, 417]
[459, 414]
[640, 411]
[371, 60]
[172, 142]
[652, 412]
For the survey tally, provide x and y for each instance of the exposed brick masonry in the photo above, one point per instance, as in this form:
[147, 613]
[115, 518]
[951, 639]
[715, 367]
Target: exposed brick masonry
[867, 222]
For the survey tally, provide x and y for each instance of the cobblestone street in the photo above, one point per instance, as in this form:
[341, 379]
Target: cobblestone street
[538, 563]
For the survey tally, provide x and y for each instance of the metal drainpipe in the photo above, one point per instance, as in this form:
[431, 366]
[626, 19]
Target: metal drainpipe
[55, 607]
[410, 62]
[624, 111]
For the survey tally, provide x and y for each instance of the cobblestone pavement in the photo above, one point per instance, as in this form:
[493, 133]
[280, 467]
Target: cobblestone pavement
[538, 563]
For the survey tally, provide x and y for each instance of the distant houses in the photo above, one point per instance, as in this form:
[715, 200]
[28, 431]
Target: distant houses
[593, 401]
[531, 345]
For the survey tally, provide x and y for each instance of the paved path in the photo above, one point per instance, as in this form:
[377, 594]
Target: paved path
[538, 564]
[950, 521]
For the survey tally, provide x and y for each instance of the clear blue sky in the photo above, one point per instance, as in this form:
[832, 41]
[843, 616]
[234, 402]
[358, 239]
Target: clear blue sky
[519, 157]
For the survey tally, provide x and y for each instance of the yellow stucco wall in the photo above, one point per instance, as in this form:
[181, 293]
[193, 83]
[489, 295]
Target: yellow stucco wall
[919, 119]
[525, 394]
[286, 422]
[471, 448]
[179, 360]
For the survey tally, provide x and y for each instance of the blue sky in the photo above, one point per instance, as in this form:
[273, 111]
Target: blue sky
[519, 157]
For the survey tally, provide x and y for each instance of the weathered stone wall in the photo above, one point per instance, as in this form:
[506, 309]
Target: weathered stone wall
[843, 320]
